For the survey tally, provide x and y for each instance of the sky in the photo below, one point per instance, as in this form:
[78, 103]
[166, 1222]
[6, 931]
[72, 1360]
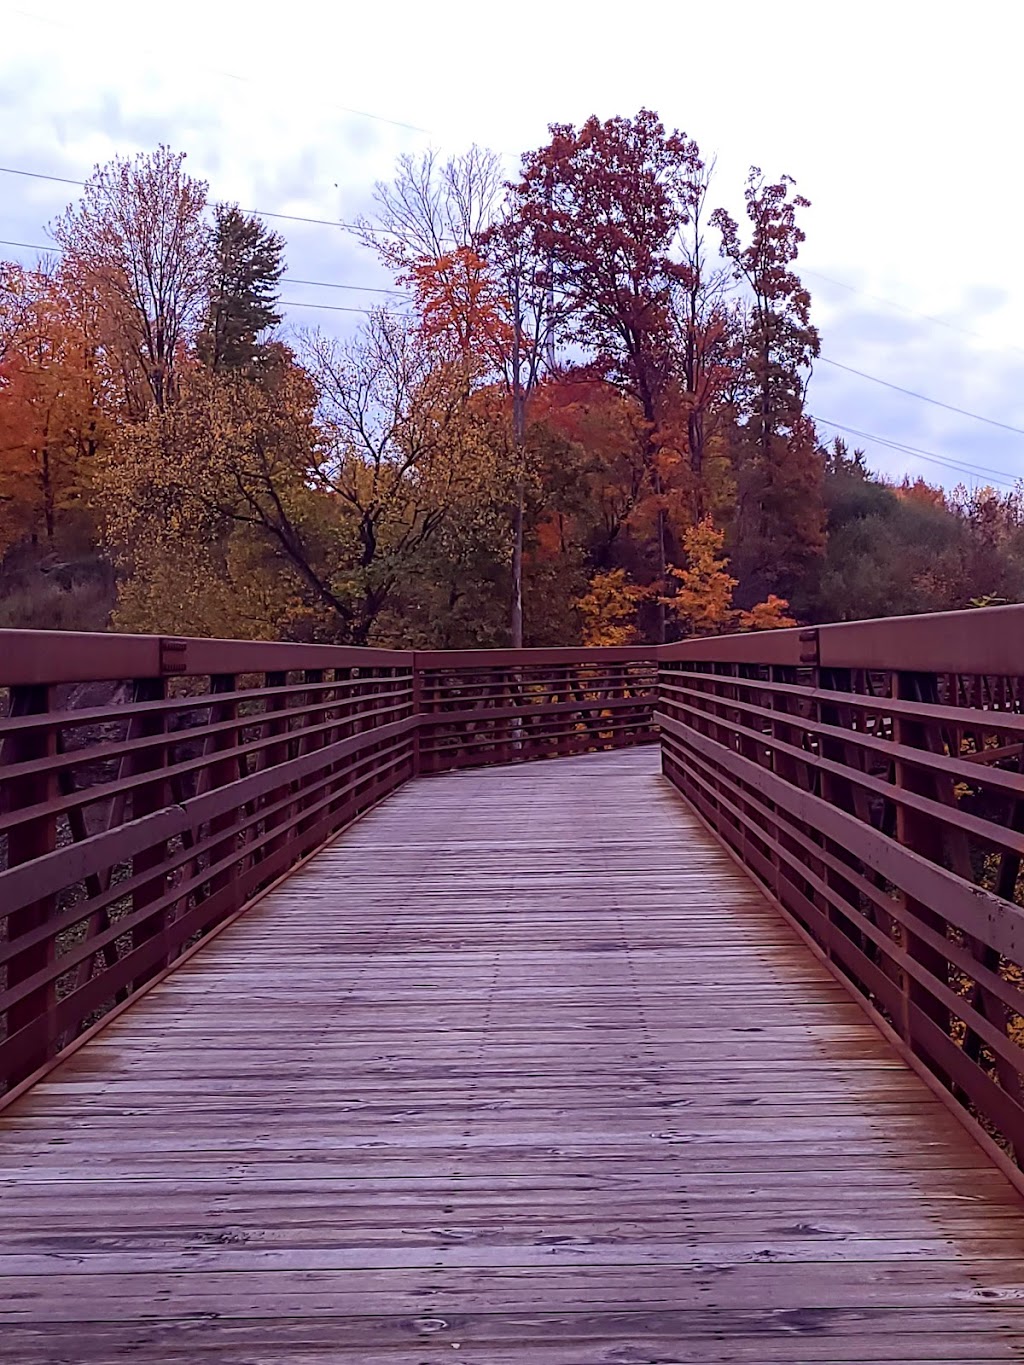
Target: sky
[898, 120]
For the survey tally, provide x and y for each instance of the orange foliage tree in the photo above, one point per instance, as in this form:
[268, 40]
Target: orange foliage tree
[51, 421]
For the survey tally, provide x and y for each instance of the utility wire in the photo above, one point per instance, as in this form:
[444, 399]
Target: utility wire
[912, 312]
[1000, 477]
[1004, 426]
[285, 279]
[341, 308]
[916, 450]
[257, 213]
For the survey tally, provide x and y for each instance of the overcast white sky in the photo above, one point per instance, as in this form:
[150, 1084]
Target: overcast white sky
[900, 121]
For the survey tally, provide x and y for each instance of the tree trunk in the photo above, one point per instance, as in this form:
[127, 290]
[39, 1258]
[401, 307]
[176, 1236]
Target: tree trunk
[518, 446]
[46, 481]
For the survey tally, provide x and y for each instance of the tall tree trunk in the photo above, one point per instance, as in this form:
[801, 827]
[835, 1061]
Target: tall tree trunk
[46, 483]
[518, 443]
[662, 569]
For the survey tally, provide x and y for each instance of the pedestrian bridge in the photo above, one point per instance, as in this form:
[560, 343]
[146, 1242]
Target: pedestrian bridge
[561, 1007]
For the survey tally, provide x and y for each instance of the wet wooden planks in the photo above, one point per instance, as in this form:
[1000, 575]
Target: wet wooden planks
[521, 1071]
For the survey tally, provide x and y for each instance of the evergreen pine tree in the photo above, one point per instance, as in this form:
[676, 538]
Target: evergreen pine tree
[249, 262]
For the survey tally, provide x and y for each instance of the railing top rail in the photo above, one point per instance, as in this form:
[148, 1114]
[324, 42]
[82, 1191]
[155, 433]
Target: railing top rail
[974, 641]
[51, 656]
[500, 658]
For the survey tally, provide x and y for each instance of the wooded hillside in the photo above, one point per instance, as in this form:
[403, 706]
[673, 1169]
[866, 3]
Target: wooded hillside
[582, 419]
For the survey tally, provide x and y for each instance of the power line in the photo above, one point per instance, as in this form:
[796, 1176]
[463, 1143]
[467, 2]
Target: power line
[967, 465]
[314, 284]
[1001, 477]
[340, 308]
[989, 421]
[28, 246]
[363, 288]
[256, 213]
[912, 312]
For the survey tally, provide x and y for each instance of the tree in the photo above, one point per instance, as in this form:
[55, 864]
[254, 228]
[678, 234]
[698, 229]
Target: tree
[405, 450]
[604, 205]
[248, 262]
[705, 338]
[432, 207]
[138, 241]
[703, 600]
[772, 614]
[51, 423]
[459, 242]
[608, 609]
[780, 521]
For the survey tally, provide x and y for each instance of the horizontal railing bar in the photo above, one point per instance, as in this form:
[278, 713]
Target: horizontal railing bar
[86, 796]
[34, 657]
[573, 655]
[123, 711]
[90, 946]
[1011, 783]
[972, 908]
[495, 739]
[71, 1010]
[489, 714]
[968, 642]
[106, 749]
[1010, 722]
[999, 836]
[49, 873]
[1009, 994]
[82, 910]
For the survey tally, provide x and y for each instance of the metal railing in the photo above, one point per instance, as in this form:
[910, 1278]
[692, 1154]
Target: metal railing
[871, 777]
[150, 788]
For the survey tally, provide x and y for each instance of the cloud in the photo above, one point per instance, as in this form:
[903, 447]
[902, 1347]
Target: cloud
[897, 143]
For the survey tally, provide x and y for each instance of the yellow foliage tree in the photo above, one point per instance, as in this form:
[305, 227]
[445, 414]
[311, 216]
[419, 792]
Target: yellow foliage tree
[771, 614]
[703, 601]
[608, 609]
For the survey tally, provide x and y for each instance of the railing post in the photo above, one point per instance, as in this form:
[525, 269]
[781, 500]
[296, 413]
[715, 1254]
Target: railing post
[31, 839]
[146, 799]
[219, 774]
[275, 723]
[418, 716]
[925, 836]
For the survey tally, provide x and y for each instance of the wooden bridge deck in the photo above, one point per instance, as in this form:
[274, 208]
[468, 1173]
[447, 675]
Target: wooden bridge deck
[521, 1069]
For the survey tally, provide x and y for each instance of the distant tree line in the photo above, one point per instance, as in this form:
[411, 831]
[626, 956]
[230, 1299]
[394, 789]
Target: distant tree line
[588, 422]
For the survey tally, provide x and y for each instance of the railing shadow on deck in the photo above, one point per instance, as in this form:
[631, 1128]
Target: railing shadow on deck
[870, 776]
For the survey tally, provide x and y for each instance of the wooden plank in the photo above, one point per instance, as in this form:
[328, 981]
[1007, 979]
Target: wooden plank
[522, 1070]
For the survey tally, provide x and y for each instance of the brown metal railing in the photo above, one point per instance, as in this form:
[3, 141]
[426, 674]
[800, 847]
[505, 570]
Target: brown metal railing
[871, 777]
[150, 788]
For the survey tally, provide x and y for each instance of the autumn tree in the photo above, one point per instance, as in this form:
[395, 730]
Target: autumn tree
[780, 522]
[702, 602]
[405, 452]
[771, 614]
[456, 237]
[608, 608]
[137, 239]
[51, 421]
[248, 262]
[605, 204]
